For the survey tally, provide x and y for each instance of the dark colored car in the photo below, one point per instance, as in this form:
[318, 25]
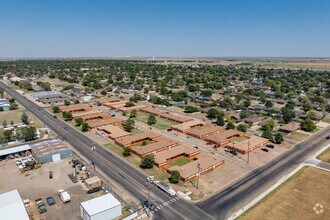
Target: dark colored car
[328, 137]
[50, 175]
[271, 146]
[233, 152]
[264, 149]
[50, 201]
[146, 203]
[66, 128]
[152, 207]
[55, 116]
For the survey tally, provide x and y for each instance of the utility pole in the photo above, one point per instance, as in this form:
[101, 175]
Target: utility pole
[199, 168]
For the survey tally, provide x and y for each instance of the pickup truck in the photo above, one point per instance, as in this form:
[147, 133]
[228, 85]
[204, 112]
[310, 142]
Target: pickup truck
[41, 205]
[64, 196]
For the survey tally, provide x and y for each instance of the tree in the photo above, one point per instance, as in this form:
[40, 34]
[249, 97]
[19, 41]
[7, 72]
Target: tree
[242, 127]
[151, 119]
[212, 113]
[79, 121]
[308, 125]
[84, 127]
[269, 124]
[306, 106]
[103, 92]
[220, 120]
[4, 123]
[268, 134]
[1, 109]
[56, 109]
[129, 104]
[287, 114]
[126, 152]
[25, 118]
[244, 114]
[12, 122]
[133, 113]
[246, 103]
[269, 104]
[30, 133]
[147, 162]
[129, 125]
[175, 176]
[67, 102]
[13, 106]
[230, 125]
[144, 143]
[76, 101]
[11, 100]
[8, 134]
[278, 138]
[190, 109]
[67, 116]
[1, 92]
[206, 93]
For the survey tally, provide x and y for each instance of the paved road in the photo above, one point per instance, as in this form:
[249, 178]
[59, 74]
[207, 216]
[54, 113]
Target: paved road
[232, 198]
[118, 170]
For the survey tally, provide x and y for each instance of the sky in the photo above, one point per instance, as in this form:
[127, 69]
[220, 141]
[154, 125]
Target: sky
[165, 28]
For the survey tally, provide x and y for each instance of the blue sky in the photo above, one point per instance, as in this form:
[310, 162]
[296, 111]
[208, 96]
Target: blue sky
[67, 28]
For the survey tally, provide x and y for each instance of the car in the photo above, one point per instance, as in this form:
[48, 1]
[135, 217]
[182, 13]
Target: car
[328, 137]
[264, 149]
[66, 128]
[196, 147]
[146, 203]
[50, 201]
[233, 152]
[55, 116]
[189, 136]
[50, 174]
[271, 146]
[152, 207]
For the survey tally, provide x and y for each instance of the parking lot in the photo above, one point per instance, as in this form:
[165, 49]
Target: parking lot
[36, 184]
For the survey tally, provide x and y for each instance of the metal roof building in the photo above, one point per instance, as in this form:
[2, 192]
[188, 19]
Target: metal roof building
[103, 207]
[12, 207]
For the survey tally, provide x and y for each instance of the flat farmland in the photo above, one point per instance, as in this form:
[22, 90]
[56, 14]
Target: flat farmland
[296, 198]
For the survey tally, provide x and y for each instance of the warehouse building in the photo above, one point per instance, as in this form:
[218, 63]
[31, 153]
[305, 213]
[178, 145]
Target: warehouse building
[12, 206]
[103, 207]
[50, 151]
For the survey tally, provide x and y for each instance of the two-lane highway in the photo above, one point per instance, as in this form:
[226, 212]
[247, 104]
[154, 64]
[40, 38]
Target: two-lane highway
[116, 169]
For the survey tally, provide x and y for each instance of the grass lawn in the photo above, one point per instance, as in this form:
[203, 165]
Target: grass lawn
[239, 139]
[136, 160]
[176, 109]
[325, 156]
[295, 198]
[179, 162]
[141, 143]
[315, 130]
[297, 136]
[326, 119]
[161, 123]
[15, 116]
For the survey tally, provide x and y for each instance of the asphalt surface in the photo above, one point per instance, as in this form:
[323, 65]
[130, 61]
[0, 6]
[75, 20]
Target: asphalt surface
[131, 179]
[219, 206]
[224, 203]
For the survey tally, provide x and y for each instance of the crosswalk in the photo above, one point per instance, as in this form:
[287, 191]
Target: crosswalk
[165, 204]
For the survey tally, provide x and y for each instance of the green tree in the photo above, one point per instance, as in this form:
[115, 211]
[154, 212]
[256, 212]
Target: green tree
[230, 125]
[144, 143]
[84, 127]
[1, 109]
[269, 104]
[79, 121]
[67, 102]
[278, 138]
[151, 119]
[103, 92]
[190, 109]
[147, 162]
[13, 106]
[4, 123]
[126, 152]
[129, 125]
[56, 109]
[175, 176]
[133, 113]
[67, 116]
[242, 127]
[212, 113]
[308, 125]
[76, 101]
[1, 92]
[268, 134]
[246, 103]
[220, 120]
[306, 106]
[129, 104]
[25, 118]
[287, 114]
[8, 134]
[269, 124]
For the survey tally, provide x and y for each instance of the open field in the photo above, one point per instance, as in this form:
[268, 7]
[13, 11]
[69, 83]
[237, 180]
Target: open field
[161, 123]
[325, 156]
[296, 198]
[326, 119]
[297, 136]
[15, 116]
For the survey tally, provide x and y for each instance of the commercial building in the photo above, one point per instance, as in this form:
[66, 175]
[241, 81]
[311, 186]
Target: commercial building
[185, 126]
[83, 113]
[130, 140]
[163, 158]
[14, 150]
[99, 115]
[158, 145]
[203, 163]
[249, 145]
[205, 131]
[222, 139]
[12, 206]
[153, 110]
[110, 121]
[100, 208]
[50, 151]
[291, 127]
[51, 97]
[175, 118]
[107, 101]
[113, 132]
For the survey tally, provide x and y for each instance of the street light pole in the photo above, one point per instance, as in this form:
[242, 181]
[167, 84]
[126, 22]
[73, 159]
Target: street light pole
[198, 167]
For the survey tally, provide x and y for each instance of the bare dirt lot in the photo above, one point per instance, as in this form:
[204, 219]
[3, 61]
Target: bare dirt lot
[306, 195]
[36, 184]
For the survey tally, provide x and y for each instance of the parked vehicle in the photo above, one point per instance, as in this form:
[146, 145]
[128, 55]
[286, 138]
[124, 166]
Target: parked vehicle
[64, 196]
[264, 149]
[41, 205]
[233, 152]
[50, 201]
[328, 137]
[50, 174]
[165, 187]
[271, 146]
[152, 206]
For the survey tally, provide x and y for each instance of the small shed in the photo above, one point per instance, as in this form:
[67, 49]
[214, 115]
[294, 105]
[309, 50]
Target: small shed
[100, 208]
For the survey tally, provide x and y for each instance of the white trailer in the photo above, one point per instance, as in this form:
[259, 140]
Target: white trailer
[165, 187]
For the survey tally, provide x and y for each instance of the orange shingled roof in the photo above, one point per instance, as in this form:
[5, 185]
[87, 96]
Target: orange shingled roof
[201, 131]
[176, 118]
[293, 126]
[74, 108]
[164, 156]
[138, 137]
[97, 123]
[223, 136]
[160, 144]
[188, 125]
[113, 131]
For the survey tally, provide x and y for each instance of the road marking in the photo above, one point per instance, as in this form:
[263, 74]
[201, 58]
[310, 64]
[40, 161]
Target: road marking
[161, 206]
[165, 204]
